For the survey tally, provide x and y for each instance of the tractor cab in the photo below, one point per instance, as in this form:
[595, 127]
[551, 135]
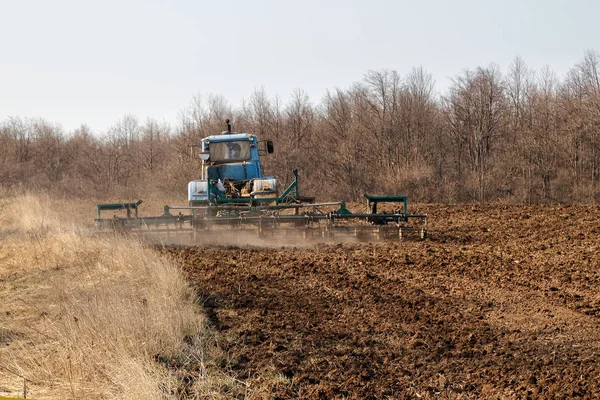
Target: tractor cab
[232, 156]
[231, 165]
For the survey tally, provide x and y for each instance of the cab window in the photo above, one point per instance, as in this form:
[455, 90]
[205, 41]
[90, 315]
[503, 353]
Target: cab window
[230, 151]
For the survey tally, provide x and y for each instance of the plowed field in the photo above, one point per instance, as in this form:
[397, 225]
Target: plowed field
[500, 302]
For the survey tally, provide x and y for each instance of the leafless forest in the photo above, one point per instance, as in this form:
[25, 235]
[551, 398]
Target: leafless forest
[519, 135]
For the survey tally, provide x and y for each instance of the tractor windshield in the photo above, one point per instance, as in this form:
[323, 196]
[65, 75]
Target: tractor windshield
[230, 151]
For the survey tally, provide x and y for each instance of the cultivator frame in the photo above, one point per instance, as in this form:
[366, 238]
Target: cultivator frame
[283, 216]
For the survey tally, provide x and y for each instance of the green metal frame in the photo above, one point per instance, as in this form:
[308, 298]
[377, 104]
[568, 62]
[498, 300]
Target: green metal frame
[120, 206]
[373, 200]
[249, 211]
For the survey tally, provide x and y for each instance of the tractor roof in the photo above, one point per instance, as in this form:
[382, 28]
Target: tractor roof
[228, 137]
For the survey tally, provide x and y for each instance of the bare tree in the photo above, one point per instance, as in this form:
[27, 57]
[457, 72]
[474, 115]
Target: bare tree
[475, 111]
[153, 145]
[544, 145]
[299, 117]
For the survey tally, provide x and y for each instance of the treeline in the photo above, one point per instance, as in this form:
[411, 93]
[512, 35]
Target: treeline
[520, 135]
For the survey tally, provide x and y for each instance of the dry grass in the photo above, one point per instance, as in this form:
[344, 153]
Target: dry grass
[84, 316]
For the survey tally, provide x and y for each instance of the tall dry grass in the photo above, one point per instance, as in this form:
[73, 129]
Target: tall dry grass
[84, 316]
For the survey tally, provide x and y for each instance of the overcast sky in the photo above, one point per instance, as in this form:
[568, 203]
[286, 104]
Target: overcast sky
[79, 61]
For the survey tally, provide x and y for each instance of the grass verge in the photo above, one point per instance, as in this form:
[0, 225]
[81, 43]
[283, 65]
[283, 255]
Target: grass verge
[84, 316]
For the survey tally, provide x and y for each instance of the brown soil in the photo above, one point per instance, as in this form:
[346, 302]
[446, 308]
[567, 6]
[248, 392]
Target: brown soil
[500, 301]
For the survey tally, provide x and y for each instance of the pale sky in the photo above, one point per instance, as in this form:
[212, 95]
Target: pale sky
[79, 61]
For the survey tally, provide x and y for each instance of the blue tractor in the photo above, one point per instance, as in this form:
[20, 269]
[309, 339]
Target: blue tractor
[231, 170]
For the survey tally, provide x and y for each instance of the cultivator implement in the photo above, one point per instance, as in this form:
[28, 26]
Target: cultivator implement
[285, 217]
[234, 199]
